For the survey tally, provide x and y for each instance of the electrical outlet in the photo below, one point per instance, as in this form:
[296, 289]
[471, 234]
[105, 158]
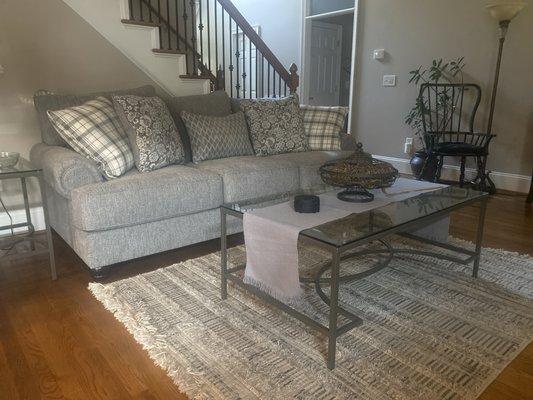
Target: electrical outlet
[389, 80]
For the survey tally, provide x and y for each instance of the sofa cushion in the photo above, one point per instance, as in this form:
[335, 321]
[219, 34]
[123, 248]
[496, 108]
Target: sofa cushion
[139, 198]
[324, 126]
[250, 177]
[216, 104]
[152, 133]
[94, 130]
[217, 137]
[275, 125]
[46, 102]
[308, 164]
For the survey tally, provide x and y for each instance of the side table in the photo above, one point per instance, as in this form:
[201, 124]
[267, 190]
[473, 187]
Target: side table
[23, 170]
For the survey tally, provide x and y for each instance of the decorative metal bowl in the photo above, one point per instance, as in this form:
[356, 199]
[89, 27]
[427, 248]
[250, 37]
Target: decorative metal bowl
[357, 174]
[8, 159]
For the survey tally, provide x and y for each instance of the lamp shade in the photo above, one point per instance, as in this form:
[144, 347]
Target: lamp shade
[505, 10]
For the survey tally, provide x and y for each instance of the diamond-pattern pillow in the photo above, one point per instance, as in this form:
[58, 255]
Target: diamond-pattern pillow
[275, 125]
[323, 126]
[154, 138]
[217, 137]
[94, 130]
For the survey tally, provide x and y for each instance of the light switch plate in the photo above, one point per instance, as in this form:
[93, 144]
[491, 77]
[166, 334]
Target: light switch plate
[389, 80]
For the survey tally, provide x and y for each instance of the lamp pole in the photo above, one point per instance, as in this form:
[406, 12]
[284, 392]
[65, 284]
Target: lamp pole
[504, 27]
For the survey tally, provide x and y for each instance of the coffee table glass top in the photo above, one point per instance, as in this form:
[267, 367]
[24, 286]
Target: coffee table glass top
[22, 166]
[356, 227]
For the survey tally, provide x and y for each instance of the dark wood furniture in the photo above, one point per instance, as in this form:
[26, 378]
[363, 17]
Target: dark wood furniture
[448, 123]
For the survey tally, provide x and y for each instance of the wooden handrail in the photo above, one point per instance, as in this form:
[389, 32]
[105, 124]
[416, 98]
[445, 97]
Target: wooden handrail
[290, 78]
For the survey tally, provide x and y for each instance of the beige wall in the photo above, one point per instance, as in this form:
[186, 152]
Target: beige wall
[414, 32]
[46, 45]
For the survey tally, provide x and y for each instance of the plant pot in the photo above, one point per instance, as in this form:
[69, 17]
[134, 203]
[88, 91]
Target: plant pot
[423, 166]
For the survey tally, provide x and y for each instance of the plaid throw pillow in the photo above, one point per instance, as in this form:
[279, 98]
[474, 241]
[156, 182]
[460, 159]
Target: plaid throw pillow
[323, 126]
[94, 130]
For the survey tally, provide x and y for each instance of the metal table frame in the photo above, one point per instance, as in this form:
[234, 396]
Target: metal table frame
[29, 235]
[333, 331]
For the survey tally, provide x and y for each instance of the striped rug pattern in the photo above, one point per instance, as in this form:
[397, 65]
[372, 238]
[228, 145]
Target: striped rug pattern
[430, 331]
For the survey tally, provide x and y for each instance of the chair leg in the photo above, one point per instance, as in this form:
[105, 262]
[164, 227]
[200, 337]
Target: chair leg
[438, 170]
[462, 176]
[485, 182]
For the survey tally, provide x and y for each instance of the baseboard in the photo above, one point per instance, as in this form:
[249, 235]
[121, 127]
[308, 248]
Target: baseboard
[19, 216]
[502, 180]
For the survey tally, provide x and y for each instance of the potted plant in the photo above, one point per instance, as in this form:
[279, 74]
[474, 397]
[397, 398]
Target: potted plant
[440, 71]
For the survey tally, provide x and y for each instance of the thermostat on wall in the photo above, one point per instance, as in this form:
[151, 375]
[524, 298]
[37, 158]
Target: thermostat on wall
[389, 80]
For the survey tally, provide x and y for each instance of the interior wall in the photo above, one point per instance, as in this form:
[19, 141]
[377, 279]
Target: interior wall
[414, 32]
[281, 26]
[46, 45]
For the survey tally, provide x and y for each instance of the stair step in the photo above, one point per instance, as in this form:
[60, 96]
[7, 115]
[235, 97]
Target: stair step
[191, 76]
[167, 51]
[140, 23]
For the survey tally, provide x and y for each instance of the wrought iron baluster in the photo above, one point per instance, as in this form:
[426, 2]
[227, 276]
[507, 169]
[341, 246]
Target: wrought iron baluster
[285, 90]
[201, 29]
[237, 54]
[150, 11]
[268, 79]
[230, 56]
[250, 65]
[216, 33]
[141, 11]
[256, 75]
[185, 17]
[223, 44]
[279, 86]
[193, 37]
[243, 65]
[169, 44]
[262, 75]
[208, 36]
[130, 6]
[273, 82]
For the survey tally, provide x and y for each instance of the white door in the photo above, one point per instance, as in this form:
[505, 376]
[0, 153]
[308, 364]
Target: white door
[325, 64]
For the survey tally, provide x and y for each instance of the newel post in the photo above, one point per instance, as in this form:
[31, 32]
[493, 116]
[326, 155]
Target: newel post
[294, 78]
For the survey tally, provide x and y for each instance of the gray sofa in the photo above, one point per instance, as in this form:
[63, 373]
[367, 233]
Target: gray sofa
[138, 214]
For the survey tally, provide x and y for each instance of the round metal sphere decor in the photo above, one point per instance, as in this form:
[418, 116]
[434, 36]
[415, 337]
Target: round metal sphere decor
[357, 174]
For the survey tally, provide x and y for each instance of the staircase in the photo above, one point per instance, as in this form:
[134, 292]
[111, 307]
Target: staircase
[191, 46]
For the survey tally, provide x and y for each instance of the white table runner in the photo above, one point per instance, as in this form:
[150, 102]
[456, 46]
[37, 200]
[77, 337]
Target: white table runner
[271, 235]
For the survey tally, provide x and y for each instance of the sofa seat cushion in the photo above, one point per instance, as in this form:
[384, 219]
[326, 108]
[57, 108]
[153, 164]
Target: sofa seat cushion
[249, 177]
[137, 198]
[308, 164]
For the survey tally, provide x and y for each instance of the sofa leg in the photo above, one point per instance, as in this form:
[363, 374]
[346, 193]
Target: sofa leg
[100, 273]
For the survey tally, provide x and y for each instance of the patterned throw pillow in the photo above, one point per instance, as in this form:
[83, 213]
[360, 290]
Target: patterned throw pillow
[323, 126]
[217, 137]
[94, 130]
[275, 125]
[154, 138]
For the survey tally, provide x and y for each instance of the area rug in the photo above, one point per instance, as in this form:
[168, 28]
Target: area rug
[430, 330]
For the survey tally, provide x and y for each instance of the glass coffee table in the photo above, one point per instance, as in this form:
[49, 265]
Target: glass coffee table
[342, 237]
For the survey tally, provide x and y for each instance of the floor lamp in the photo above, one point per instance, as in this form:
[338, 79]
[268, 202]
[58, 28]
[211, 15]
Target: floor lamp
[503, 11]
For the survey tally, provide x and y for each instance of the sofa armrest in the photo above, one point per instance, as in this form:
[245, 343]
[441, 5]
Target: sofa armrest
[64, 169]
[348, 142]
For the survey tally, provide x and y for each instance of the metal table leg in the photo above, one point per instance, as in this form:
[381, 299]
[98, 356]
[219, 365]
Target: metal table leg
[47, 226]
[223, 255]
[479, 236]
[31, 228]
[333, 308]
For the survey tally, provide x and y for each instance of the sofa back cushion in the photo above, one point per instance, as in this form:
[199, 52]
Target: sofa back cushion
[323, 126]
[53, 102]
[275, 125]
[94, 130]
[217, 137]
[152, 133]
[215, 104]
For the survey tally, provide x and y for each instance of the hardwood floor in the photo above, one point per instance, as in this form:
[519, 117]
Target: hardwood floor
[57, 341]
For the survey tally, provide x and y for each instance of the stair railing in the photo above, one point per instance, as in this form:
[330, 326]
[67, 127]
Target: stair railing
[220, 45]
